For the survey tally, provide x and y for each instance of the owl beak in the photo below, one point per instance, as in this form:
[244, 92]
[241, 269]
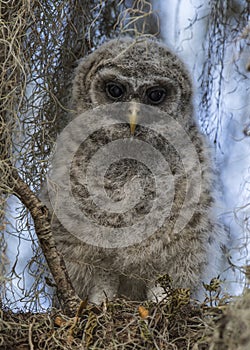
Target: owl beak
[133, 117]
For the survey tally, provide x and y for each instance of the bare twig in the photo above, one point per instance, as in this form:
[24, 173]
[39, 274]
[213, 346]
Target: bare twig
[39, 212]
[30, 335]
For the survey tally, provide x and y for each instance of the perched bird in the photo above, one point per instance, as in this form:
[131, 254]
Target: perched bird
[125, 80]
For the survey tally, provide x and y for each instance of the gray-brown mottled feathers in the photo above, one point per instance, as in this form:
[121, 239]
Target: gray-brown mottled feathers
[137, 65]
[123, 70]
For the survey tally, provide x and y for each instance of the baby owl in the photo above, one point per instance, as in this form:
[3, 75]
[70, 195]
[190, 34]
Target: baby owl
[135, 79]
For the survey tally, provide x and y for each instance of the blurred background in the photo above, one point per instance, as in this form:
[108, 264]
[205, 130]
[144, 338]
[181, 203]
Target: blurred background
[41, 43]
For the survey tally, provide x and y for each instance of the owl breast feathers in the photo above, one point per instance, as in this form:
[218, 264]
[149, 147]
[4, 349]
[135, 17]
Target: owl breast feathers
[147, 76]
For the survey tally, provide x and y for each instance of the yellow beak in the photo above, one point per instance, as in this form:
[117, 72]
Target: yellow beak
[133, 117]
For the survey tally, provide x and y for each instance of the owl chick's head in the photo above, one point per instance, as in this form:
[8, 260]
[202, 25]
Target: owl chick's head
[143, 71]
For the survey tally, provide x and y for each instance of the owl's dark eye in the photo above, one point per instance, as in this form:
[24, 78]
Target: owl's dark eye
[156, 95]
[115, 90]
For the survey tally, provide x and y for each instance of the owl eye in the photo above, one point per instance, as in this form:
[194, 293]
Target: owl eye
[156, 95]
[115, 90]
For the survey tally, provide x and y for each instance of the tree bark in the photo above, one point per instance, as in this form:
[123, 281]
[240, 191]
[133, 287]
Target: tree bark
[65, 291]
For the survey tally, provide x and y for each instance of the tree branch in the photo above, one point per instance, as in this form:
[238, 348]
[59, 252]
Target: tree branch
[39, 212]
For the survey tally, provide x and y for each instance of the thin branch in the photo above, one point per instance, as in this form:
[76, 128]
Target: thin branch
[39, 212]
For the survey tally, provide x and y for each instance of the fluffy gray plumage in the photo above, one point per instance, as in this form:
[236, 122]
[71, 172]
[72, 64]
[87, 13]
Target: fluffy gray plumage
[189, 257]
